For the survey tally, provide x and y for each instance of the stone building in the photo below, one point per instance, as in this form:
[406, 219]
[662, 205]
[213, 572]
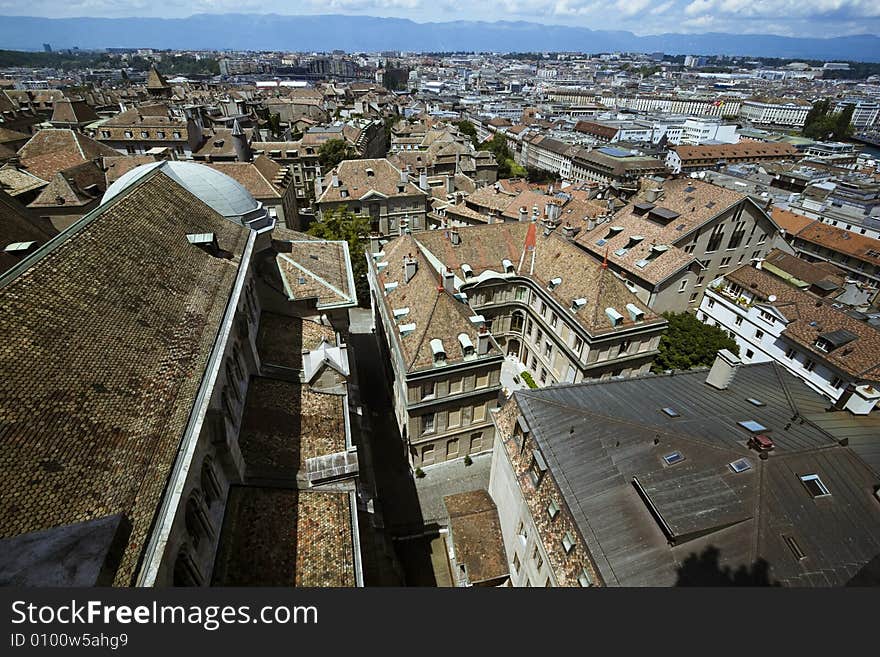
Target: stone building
[136, 429]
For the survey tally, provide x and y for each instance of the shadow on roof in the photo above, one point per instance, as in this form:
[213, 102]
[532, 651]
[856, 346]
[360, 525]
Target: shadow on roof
[705, 569]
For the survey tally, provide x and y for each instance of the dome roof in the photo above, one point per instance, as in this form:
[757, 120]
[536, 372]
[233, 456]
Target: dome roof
[225, 195]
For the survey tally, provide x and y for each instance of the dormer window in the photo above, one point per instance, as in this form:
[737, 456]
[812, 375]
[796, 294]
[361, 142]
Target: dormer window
[633, 241]
[467, 345]
[467, 271]
[615, 317]
[554, 283]
[343, 193]
[577, 304]
[508, 266]
[370, 173]
[438, 351]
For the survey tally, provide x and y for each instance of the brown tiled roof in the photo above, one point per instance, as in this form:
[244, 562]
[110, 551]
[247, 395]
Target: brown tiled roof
[313, 269]
[251, 177]
[16, 226]
[811, 317]
[597, 129]
[282, 339]
[435, 313]
[106, 339]
[284, 424]
[483, 248]
[52, 150]
[73, 111]
[77, 186]
[744, 149]
[696, 202]
[15, 181]
[353, 177]
[118, 166]
[476, 535]
[791, 222]
[808, 272]
[7, 135]
[285, 537]
[843, 241]
[143, 117]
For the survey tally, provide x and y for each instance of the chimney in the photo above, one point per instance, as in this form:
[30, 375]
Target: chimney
[483, 341]
[448, 281]
[319, 186]
[591, 223]
[423, 182]
[455, 237]
[403, 177]
[568, 231]
[723, 370]
[450, 184]
[651, 195]
[410, 265]
[335, 180]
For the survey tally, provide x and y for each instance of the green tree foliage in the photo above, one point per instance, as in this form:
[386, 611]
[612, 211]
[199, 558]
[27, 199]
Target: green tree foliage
[689, 343]
[468, 128]
[541, 176]
[822, 123]
[333, 152]
[507, 167]
[342, 224]
[70, 60]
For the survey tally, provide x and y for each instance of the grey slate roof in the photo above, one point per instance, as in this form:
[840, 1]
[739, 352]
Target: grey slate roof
[597, 438]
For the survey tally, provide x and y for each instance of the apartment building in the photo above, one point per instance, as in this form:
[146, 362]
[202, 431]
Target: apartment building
[139, 129]
[533, 298]
[685, 159]
[378, 190]
[643, 481]
[783, 112]
[304, 166]
[676, 236]
[835, 354]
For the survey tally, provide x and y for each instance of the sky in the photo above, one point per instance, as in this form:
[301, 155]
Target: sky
[815, 18]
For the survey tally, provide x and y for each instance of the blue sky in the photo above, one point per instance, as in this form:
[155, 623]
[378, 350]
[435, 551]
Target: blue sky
[787, 17]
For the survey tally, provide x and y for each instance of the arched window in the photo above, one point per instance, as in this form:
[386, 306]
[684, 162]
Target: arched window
[198, 525]
[517, 319]
[186, 571]
[210, 484]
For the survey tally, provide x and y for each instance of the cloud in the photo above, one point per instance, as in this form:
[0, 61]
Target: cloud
[791, 17]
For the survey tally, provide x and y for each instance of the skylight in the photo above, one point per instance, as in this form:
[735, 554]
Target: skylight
[671, 412]
[755, 402]
[815, 485]
[740, 465]
[751, 425]
[673, 458]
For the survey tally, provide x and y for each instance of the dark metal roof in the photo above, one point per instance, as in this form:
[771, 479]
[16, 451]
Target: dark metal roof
[839, 338]
[598, 439]
[665, 213]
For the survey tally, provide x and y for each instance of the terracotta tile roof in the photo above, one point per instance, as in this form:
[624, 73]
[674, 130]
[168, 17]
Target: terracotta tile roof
[73, 111]
[284, 537]
[118, 166]
[476, 535]
[16, 226]
[7, 135]
[354, 177]
[808, 272]
[284, 424]
[745, 149]
[435, 313]
[811, 317]
[106, 339]
[483, 248]
[148, 116]
[282, 339]
[15, 181]
[313, 269]
[79, 185]
[861, 247]
[252, 177]
[791, 222]
[52, 150]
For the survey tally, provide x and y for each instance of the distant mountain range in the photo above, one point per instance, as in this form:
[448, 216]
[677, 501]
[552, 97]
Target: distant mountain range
[370, 34]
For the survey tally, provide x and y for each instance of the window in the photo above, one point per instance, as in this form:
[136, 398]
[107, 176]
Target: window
[554, 320]
[537, 468]
[479, 413]
[809, 365]
[795, 548]
[738, 321]
[700, 281]
[428, 423]
[552, 509]
[815, 485]
[427, 454]
[516, 563]
[160, 134]
[715, 239]
[837, 382]
[673, 458]
[750, 353]
[543, 375]
[537, 558]
[682, 286]
[725, 262]
[129, 134]
[476, 442]
[522, 533]
[711, 303]
[767, 317]
[176, 135]
[624, 347]
[763, 238]
[693, 297]
[759, 334]
[584, 579]
[429, 389]
[791, 353]
[568, 542]
[578, 343]
[144, 134]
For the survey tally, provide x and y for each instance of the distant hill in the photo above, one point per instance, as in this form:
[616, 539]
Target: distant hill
[364, 33]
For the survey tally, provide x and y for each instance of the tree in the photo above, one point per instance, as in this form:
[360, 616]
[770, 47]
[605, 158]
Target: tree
[823, 122]
[340, 223]
[688, 343]
[468, 128]
[507, 167]
[333, 152]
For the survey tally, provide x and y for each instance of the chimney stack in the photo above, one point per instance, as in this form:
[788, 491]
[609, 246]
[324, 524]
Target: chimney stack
[450, 184]
[455, 237]
[448, 281]
[319, 187]
[591, 223]
[335, 180]
[723, 370]
[403, 177]
[523, 214]
[423, 182]
[483, 341]
[410, 265]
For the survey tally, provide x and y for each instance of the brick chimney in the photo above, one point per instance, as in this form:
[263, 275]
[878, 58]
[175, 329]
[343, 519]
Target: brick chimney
[483, 341]
[410, 266]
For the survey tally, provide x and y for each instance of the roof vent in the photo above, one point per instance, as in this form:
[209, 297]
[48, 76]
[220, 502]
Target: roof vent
[467, 346]
[406, 329]
[467, 271]
[554, 283]
[615, 317]
[400, 312]
[438, 351]
[577, 304]
[206, 241]
[20, 249]
[390, 287]
[635, 314]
